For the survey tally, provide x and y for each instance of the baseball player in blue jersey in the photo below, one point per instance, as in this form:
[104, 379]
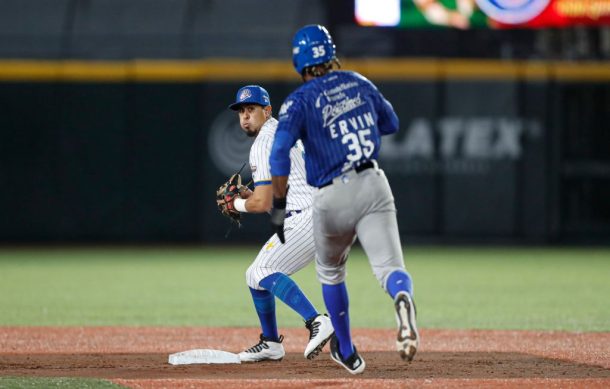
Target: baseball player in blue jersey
[269, 275]
[340, 117]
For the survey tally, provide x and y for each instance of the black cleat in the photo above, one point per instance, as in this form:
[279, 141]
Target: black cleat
[354, 364]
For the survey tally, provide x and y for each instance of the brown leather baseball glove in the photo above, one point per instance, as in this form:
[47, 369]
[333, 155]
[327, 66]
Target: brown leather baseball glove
[226, 195]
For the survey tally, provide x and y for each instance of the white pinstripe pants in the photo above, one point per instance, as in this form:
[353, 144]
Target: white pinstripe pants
[288, 258]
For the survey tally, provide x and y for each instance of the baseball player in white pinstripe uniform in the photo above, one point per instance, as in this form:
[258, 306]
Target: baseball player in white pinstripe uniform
[268, 276]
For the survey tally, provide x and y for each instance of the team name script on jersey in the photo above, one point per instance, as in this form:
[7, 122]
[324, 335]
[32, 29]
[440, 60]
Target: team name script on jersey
[338, 102]
[353, 124]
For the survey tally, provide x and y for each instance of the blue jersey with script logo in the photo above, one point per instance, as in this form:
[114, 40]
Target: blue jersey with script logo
[340, 118]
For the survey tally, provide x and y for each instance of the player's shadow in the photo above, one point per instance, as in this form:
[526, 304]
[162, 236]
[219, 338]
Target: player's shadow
[386, 365]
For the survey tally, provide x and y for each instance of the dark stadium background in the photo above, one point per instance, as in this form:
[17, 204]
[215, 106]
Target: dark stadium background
[96, 157]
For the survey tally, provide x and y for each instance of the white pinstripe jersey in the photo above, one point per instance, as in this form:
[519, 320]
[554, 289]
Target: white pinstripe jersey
[300, 193]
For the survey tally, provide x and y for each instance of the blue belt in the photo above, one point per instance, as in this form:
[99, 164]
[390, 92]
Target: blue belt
[292, 213]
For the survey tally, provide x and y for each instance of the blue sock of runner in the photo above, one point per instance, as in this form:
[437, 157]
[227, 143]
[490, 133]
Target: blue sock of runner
[264, 303]
[284, 288]
[337, 304]
[399, 281]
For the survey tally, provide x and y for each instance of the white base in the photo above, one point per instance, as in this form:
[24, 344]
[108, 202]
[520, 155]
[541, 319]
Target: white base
[203, 356]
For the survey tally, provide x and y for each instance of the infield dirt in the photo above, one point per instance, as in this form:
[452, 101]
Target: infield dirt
[137, 357]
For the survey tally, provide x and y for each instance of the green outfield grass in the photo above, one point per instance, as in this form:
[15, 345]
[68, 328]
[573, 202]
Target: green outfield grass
[499, 288]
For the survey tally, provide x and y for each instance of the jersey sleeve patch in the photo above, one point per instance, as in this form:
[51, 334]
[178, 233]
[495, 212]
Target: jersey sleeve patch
[285, 107]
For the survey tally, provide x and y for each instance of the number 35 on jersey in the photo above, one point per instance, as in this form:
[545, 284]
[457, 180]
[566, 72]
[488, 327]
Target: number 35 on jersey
[355, 133]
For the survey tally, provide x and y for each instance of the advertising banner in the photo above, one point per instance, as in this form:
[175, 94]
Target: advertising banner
[497, 14]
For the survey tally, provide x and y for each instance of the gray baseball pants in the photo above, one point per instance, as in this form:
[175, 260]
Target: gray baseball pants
[356, 205]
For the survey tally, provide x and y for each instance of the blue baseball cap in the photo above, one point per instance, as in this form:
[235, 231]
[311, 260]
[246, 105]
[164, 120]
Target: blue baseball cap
[251, 94]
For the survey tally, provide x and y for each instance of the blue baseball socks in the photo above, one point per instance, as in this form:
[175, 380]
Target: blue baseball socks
[399, 281]
[284, 288]
[264, 303]
[337, 304]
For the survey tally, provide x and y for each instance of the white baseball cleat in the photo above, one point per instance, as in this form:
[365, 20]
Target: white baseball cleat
[320, 331]
[407, 339]
[265, 350]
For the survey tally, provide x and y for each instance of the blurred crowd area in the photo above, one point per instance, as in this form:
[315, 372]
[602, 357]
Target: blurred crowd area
[194, 29]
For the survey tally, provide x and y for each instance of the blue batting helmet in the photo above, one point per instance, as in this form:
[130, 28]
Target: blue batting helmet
[312, 45]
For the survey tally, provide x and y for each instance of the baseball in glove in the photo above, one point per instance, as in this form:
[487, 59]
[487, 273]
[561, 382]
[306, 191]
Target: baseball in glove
[226, 195]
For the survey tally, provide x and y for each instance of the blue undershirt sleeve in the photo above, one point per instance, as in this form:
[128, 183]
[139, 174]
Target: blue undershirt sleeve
[388, 120]
[280, 153]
